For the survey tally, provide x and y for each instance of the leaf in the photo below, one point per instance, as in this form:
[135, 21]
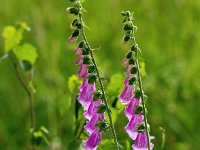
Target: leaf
[82, 1]
[11, 38]
[26, 53]
[73, 82]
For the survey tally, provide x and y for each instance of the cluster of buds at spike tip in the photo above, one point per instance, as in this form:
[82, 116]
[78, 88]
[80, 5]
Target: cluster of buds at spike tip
[75, 24]
[131, 96]
[128, 26]
[89, 97]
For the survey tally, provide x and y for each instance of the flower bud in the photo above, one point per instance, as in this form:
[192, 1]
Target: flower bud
[81, 44]
[134, 48]
[73, 10]
[141, 127]
[79, 26]
[128, 27]
[101, 125]
[134, 70]
[101, 108]
[85, 51]
[92, 78]
[126, 38]
[86, 60]
[74, 23]
[139, 109]
[91, 68]
[131, 61]
[97, 95]
[75, 33]
[129, 54]
[132, 81]
[138, 94]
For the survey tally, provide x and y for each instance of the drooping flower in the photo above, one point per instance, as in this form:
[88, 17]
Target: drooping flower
[93, 141]
[72, 39]
[141, 142]
[132, 126]
[130, 109]
[127, 94]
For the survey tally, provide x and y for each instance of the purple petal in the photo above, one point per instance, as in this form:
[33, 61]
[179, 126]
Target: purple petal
[127, 94]
[79, 61]
[71, 39]
[93, 141]
[130, 109]
[141, 142]
[83, 71]
[132, 126]
[92, 109]
[78, 51]
[125, 61]
[84, 84]
[85, 101]
[90, 125]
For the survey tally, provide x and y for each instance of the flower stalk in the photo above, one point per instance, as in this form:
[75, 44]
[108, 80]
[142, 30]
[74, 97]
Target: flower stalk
[89, 71]
[133, 95]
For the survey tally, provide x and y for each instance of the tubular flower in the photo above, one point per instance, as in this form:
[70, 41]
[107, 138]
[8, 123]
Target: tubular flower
[135, 119]
[141, 142]
[85, 98]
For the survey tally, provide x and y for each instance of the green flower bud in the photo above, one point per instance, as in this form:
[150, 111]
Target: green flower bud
[73, 10]
[132, 81]
[75, 33]
[86, 60]
[91, 68]
[142, 128]
[81, 44]
[101, 108]
[85, 51]
[134, 48]
[92, 78]
[139, 109]
[129, 54]
[128, 27]
[75, 22]
[79, 25]
[101, 125]
[97, 95]
[134, 70]
[126, 38]
[138, 94]
[131, 61]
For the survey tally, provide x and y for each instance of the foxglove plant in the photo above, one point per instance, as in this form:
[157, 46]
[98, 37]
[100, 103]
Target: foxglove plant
[93, 101]
[133, 95]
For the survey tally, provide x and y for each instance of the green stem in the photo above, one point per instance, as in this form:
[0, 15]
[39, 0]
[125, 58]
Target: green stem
[142, 95]
[101, 85]
[27, 89]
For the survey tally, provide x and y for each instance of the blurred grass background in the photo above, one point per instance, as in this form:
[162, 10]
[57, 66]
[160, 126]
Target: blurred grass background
[169, 36]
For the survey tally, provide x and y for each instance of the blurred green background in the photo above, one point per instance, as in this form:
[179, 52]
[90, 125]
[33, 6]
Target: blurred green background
[168, 35]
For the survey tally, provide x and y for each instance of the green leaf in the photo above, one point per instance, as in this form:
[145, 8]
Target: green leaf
[11, 38]
[26, 53]
[73, 82]
[82, 1]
